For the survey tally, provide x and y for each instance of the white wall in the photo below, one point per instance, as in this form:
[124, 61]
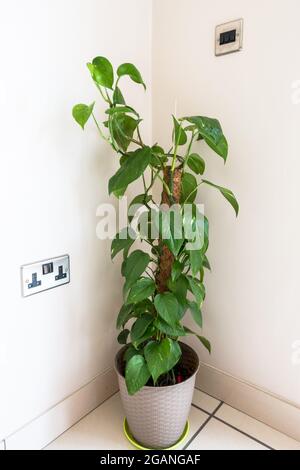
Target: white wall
[252, 312]
[53, 176]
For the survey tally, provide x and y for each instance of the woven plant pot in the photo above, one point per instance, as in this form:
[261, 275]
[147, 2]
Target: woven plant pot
[157, 415]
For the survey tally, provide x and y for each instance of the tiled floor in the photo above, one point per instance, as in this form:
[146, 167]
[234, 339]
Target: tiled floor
[213, 425]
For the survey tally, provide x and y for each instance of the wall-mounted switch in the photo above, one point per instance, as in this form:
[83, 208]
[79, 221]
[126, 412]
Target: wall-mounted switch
[44, 275]
[229, 37]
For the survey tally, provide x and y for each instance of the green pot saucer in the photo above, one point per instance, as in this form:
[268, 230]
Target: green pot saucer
[139, 446]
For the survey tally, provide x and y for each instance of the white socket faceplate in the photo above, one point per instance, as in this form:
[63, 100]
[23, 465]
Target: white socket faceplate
[235, 45]
[46, 274]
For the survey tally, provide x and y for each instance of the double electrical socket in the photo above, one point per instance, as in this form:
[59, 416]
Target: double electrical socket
[43, 275]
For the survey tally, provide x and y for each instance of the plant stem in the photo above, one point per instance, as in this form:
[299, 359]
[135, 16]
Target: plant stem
[99, 129]
[175, 150]
[188, 151]
[165, 184]
[102, 94]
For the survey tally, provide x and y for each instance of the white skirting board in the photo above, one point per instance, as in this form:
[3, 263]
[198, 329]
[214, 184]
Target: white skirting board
[246, 397]
[47, 427]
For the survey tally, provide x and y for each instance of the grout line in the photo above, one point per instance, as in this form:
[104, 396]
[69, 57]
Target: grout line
[244, 433]
[201, 409]
[82, 417]
[210, 416]
[230, 425]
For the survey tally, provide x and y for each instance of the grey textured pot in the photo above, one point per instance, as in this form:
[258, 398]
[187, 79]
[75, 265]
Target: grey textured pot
[157, 415]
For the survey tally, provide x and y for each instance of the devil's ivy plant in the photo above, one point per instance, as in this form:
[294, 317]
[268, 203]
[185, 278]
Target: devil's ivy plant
[155, 310]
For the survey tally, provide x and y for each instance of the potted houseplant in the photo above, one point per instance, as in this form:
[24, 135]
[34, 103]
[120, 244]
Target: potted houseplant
[164, 273]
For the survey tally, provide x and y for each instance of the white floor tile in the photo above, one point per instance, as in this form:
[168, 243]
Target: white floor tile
[206, 402]
[196, 419]
[255, 428]
[102, 429]
[217, 436]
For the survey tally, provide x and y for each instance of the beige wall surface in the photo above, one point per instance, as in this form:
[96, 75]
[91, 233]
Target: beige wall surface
[53, 177]
[252, 311]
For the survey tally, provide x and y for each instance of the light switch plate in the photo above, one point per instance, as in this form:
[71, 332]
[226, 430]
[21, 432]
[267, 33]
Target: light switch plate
[46, 274]
[229, 37]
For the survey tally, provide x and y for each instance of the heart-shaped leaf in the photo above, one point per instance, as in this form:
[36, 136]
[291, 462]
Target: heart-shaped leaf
[227, 194]
[131, 169]
[211, 131]
[136, 374]
[141, 290]
[124, 315]
[196, 313]
[122, 241]
[135, 265]
[167, 307]
[188, 188]
[132, 72]
[161, 357]
[122, 128]
[140, 326]
[122, 338]
[196, 163]
[82, 112]
[102, 72]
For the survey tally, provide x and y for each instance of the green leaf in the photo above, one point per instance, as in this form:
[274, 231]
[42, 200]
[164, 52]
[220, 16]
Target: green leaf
[140, 326]
[202, 339]
[196, 163]
[158, 157]
[167, 307]
[118, 98]
[122, 338]
[206, 263]
[227, 194]
[102, 72]
[149, 333]
[82, 112]
[196, 228]
[130, 352]
[136, 374]
[174, 330]
[140, 200]
[170, 228]
[132, 72]
[177, 269]
[197, 289]
[121, 109]
[211, 131]
[196, 313]
[179, 289]
[188, 188]
[179, 135]
[122, 241]
[135, 265]
[124, 315]
[161, 357]
[131, 170]
[122, 128]
[205, 343]
[143, 307]
[196, 261]
[141, 290]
